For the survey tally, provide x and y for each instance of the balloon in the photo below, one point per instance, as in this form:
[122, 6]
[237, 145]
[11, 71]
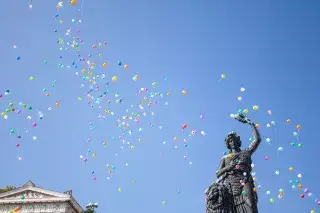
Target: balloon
[73, 2]
[313, 211]
[136, 77]
[268, 140]
[299, 176]
[114, 78]
[291, 169]
[31, 78]
[269, 112]
[125, 66]
[277, 172]
[18, 58]
[242, 89]
[239, 98]
[298, 127]
[105, 64]
[255, 108]
[60, 4]
[288, 121]
[184, 126]
[119, 190]
[271, 200]
[184, 92]
[295, 134]
[280, 148]
[223, 76]
[245, 111]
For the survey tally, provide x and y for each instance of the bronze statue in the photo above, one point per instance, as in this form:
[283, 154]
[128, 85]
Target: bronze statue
[234, 191]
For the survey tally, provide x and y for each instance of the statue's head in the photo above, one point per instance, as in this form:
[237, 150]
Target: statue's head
[233, 141]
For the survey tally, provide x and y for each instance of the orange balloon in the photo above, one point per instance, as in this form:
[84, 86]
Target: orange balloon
[288, 121]
[298, 127]
[125, 66]
[73, 2]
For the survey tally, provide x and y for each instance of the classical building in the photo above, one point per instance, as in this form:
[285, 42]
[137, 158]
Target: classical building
[31, 199]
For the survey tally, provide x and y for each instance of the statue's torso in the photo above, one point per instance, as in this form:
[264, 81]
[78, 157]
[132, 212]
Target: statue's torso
[239, 178]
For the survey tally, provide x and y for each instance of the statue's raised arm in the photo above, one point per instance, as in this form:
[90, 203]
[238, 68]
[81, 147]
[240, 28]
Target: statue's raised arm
[257, 139]
[256, 135]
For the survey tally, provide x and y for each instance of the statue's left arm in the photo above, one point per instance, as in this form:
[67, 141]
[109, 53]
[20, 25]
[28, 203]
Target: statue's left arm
[257, 139]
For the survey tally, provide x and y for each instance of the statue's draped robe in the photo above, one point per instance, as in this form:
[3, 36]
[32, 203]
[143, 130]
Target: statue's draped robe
[238, 184]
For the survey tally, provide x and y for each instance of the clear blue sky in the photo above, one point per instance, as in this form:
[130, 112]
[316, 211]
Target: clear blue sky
[271, 48]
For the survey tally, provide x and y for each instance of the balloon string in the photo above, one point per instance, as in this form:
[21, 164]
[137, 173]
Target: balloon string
[82, 3]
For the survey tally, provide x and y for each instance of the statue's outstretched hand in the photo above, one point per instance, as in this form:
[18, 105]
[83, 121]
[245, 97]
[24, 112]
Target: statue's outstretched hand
[243, 119]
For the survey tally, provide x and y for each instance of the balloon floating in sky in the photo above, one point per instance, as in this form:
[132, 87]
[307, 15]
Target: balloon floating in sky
[114, 78]
[73, 2]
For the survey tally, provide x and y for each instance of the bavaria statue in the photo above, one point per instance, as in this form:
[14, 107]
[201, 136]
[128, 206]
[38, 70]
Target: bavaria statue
[234, 190]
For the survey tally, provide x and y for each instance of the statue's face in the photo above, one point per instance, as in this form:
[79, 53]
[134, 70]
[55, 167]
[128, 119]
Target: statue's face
[234, 142]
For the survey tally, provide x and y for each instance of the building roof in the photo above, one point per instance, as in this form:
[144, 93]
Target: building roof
[33, 194]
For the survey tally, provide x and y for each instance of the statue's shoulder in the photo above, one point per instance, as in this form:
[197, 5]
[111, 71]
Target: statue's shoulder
[224, 157]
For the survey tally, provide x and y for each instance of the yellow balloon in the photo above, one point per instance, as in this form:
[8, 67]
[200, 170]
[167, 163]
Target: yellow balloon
[255, 108]
[114, 78]
[105, 64]
[245, 111]
[313, 211]
[291, 169]
[223, 76]
[31, 78]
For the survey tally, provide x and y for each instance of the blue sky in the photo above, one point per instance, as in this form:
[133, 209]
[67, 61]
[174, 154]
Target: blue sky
[270, 48]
